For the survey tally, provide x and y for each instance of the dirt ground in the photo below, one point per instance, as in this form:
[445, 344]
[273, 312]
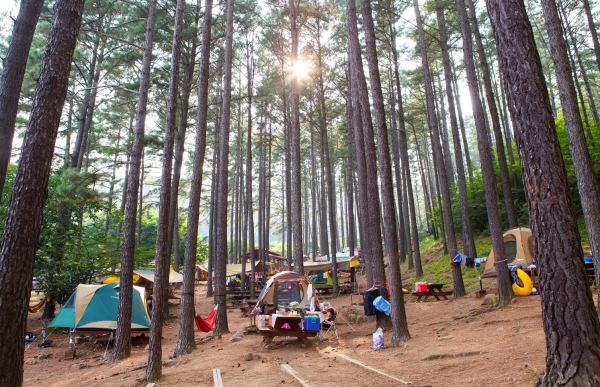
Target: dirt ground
[453, 343]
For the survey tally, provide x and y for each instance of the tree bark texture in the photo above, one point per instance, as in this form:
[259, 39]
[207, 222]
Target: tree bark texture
[467, 230]
[511, 212]
[248, 228]
[296, 174]
[11, 78]
[398, 316]
[586, 179]
[330, 189]
[186, 88]
[459, 287]
[186, 342]
[505, 294]
[122, 346]
[222, 184]
[163, 256]
[24, 219]
[593, 32]
[403, 143]
[569, 318]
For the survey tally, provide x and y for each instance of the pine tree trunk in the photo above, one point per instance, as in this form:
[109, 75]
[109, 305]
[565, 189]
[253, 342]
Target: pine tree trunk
[505, 293]
[80, 139]
[222, 183]
[511, 212]
[24, 218]
[573, 340]
[586, 179]
[461, 122]
[467, 231]
[373, 251]
[161, 271]
[586, 81]
[296, 174]
[459, 287]
[398, 315]
[593, 32]
[329, 189]
[248, 227]
[403, 143]
[186, 343]
[11, 78]
[122, 346]
[400, 202]
[313, 190]
[180, 140]
[350, 179]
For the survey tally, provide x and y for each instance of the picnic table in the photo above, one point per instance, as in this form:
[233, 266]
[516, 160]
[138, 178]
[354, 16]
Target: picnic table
[292, 329]
[433, 290]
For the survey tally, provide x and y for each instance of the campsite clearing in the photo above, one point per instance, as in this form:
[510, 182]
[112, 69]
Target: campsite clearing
[453, 344]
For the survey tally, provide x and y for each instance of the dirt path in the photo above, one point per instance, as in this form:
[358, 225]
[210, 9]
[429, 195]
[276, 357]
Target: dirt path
[452, 344]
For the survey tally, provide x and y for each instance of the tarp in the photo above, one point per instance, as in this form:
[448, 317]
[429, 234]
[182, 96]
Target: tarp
[518, 246]
[97, 307]
[342, 264]
[174, 277]
[236, 268]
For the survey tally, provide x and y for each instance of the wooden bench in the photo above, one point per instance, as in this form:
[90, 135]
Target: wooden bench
[433, 290]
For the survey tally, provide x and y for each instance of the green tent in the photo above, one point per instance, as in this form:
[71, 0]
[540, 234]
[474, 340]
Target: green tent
[97, 307]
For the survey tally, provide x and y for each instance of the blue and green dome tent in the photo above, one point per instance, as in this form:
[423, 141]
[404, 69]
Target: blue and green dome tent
[97, 307]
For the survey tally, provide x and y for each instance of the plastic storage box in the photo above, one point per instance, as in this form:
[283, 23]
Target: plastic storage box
[421, 286]
[312, 323]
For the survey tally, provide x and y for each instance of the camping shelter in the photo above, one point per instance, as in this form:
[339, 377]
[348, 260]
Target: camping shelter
[318, 273]
[518, 246]
[283, 288]
[96, 307]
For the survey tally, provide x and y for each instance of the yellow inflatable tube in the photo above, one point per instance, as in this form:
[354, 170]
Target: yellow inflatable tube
[526, 286]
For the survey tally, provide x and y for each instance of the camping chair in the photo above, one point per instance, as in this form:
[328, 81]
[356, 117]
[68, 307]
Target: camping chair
[331, 329]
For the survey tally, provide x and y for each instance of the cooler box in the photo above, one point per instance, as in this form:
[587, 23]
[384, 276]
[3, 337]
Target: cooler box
[312, 323]
[421, 286]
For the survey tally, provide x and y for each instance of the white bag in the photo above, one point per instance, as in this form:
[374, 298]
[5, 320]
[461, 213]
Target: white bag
[378, 339]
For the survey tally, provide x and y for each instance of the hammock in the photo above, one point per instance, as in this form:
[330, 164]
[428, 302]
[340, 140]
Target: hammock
[36, 307]
[207, 323]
